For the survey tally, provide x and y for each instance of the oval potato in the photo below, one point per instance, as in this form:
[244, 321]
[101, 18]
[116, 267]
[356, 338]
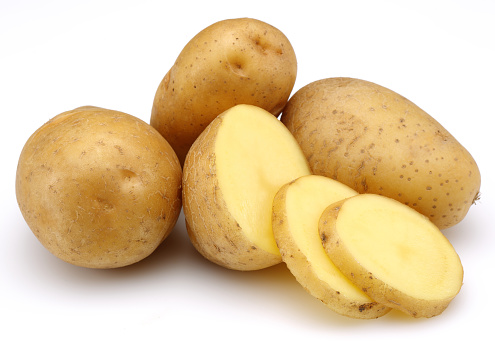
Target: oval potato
[376, 141]
[234, 61]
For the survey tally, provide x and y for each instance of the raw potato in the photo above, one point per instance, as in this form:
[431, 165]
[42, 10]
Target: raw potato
[376, 141]
[297, 208]
[99, 188]
[393, 253]
[235, 61]
[231, 175]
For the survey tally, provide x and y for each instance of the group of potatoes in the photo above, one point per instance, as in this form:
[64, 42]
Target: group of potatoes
[347, 182]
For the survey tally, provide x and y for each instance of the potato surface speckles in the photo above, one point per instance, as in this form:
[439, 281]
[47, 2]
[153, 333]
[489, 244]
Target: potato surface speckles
[376, 141]
[99, 188]
[231, 62]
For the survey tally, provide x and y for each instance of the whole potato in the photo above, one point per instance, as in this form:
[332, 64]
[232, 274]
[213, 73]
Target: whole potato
[234, 61]
[376, 141]
[99, 188]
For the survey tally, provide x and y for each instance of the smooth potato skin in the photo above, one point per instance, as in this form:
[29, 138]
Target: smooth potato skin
[376, 141]
[235, 61]
[305, 274]
[99, 188]
[212, 230]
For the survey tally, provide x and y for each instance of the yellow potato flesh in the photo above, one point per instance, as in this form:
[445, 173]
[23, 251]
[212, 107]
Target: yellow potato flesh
[306, 199]
[400, 247]
[395, 254]
[254, 158]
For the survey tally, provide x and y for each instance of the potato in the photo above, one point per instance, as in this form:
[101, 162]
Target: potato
[393, 253]
[99, 188]
[234, 61]
[376, 141]
[297, 208]
[231, 175]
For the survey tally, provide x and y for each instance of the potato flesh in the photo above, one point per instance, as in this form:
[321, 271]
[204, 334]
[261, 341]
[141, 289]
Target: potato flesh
[306, 200]
[394, 253]
[255, 156]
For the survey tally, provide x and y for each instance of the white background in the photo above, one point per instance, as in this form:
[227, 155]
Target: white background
[59, 55]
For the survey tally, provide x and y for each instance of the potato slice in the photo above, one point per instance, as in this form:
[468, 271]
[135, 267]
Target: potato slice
[297, 208]
[231, 175]
[393, 253]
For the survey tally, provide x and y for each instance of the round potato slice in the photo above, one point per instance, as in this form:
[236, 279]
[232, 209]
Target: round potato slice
[297, 208]
[231, 175]
[393, 253]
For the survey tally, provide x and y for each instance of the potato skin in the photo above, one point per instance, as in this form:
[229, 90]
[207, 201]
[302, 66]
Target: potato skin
[234, 61]
[213, 231]
[99, 188]
[376, 141]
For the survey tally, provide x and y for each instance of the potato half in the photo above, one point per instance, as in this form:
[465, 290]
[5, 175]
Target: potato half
[99, 188]
[231, 175]
[376, 141]
[297, 208]
[234, 61]
[393, 253]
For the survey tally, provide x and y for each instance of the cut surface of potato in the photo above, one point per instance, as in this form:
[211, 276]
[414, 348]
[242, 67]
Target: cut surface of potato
[395, 254]
[297, 208]
[231, 176]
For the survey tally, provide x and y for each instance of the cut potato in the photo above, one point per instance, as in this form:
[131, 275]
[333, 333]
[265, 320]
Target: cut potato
[297, 208]
[231, 175]
[393, 253]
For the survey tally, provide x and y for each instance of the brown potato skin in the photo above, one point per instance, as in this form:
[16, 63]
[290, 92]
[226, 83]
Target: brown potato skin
[376, 141]
[213, 231]
[304, 273]
[234, 61]
[99, 188]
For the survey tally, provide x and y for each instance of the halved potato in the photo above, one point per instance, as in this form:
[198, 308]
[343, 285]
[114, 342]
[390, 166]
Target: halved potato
[393, 253]
[297, 208]
[231, 175]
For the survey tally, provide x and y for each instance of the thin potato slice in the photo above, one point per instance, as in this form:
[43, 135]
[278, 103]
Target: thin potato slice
[297, 208]
[393, 253]
[231, 175]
